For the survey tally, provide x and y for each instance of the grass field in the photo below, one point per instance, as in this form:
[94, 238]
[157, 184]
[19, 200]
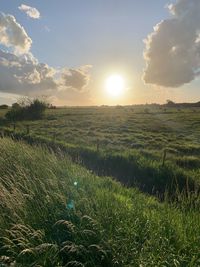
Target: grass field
[151, 146]
[56, 213]
[121, 128]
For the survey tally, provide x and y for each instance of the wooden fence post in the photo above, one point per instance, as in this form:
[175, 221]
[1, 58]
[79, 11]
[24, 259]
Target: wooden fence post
[2, 133]
[98, 145]
[164, 157]
[27, 129]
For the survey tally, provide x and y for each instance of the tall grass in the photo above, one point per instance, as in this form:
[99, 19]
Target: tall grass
[131, 167]
[56, 213]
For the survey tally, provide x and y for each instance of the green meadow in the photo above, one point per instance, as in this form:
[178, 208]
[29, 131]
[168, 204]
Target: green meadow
[90, 175]
[122, 127]
[56, 213]
[101, 186]
[153, 147]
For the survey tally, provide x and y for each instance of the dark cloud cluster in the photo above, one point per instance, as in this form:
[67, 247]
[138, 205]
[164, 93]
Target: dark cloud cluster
[172, 52]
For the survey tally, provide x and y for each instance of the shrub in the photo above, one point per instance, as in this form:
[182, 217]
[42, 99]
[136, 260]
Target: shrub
[34, 110]
[3, 106]
[15, 105]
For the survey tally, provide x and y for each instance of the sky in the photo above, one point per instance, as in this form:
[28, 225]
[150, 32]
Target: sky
[66, 50]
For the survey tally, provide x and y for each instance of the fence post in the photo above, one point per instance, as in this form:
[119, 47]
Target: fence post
[2, 133]
[27, 129]
[98, 145]
[164, 157]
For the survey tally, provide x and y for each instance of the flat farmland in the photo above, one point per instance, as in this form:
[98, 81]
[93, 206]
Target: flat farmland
[153, 144]
[149, 130]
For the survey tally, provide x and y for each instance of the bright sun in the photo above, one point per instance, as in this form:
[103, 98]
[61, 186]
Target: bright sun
[115, 85]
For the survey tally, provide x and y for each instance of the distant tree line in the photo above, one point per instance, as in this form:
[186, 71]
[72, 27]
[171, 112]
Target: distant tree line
[170, 103]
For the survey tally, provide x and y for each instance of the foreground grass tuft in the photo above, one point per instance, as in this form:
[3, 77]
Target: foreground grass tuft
[56, 213]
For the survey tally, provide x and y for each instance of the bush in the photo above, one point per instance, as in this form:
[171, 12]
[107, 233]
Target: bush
[15, 105]
[34, 110]
[3, 106]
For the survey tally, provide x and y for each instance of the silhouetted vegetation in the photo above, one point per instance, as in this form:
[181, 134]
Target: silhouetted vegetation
[4, 106]
[171, 104]
[29, 110]
[16, 105]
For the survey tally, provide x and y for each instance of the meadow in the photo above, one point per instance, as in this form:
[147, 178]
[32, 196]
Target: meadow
[56, 213]
[153, 147]
[101, 186]
[122, 127]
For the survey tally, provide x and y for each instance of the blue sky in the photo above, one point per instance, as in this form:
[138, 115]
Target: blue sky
[105, 34]
[88, 31]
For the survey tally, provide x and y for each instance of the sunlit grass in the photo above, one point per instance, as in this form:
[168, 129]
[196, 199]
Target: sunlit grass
[108, 226]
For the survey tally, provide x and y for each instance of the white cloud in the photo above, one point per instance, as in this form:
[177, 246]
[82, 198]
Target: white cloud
[12, 34]
[172, 51]
[31, 12]
[22, 74]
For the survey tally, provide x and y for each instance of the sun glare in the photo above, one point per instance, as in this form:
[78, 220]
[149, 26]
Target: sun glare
[115, 85]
